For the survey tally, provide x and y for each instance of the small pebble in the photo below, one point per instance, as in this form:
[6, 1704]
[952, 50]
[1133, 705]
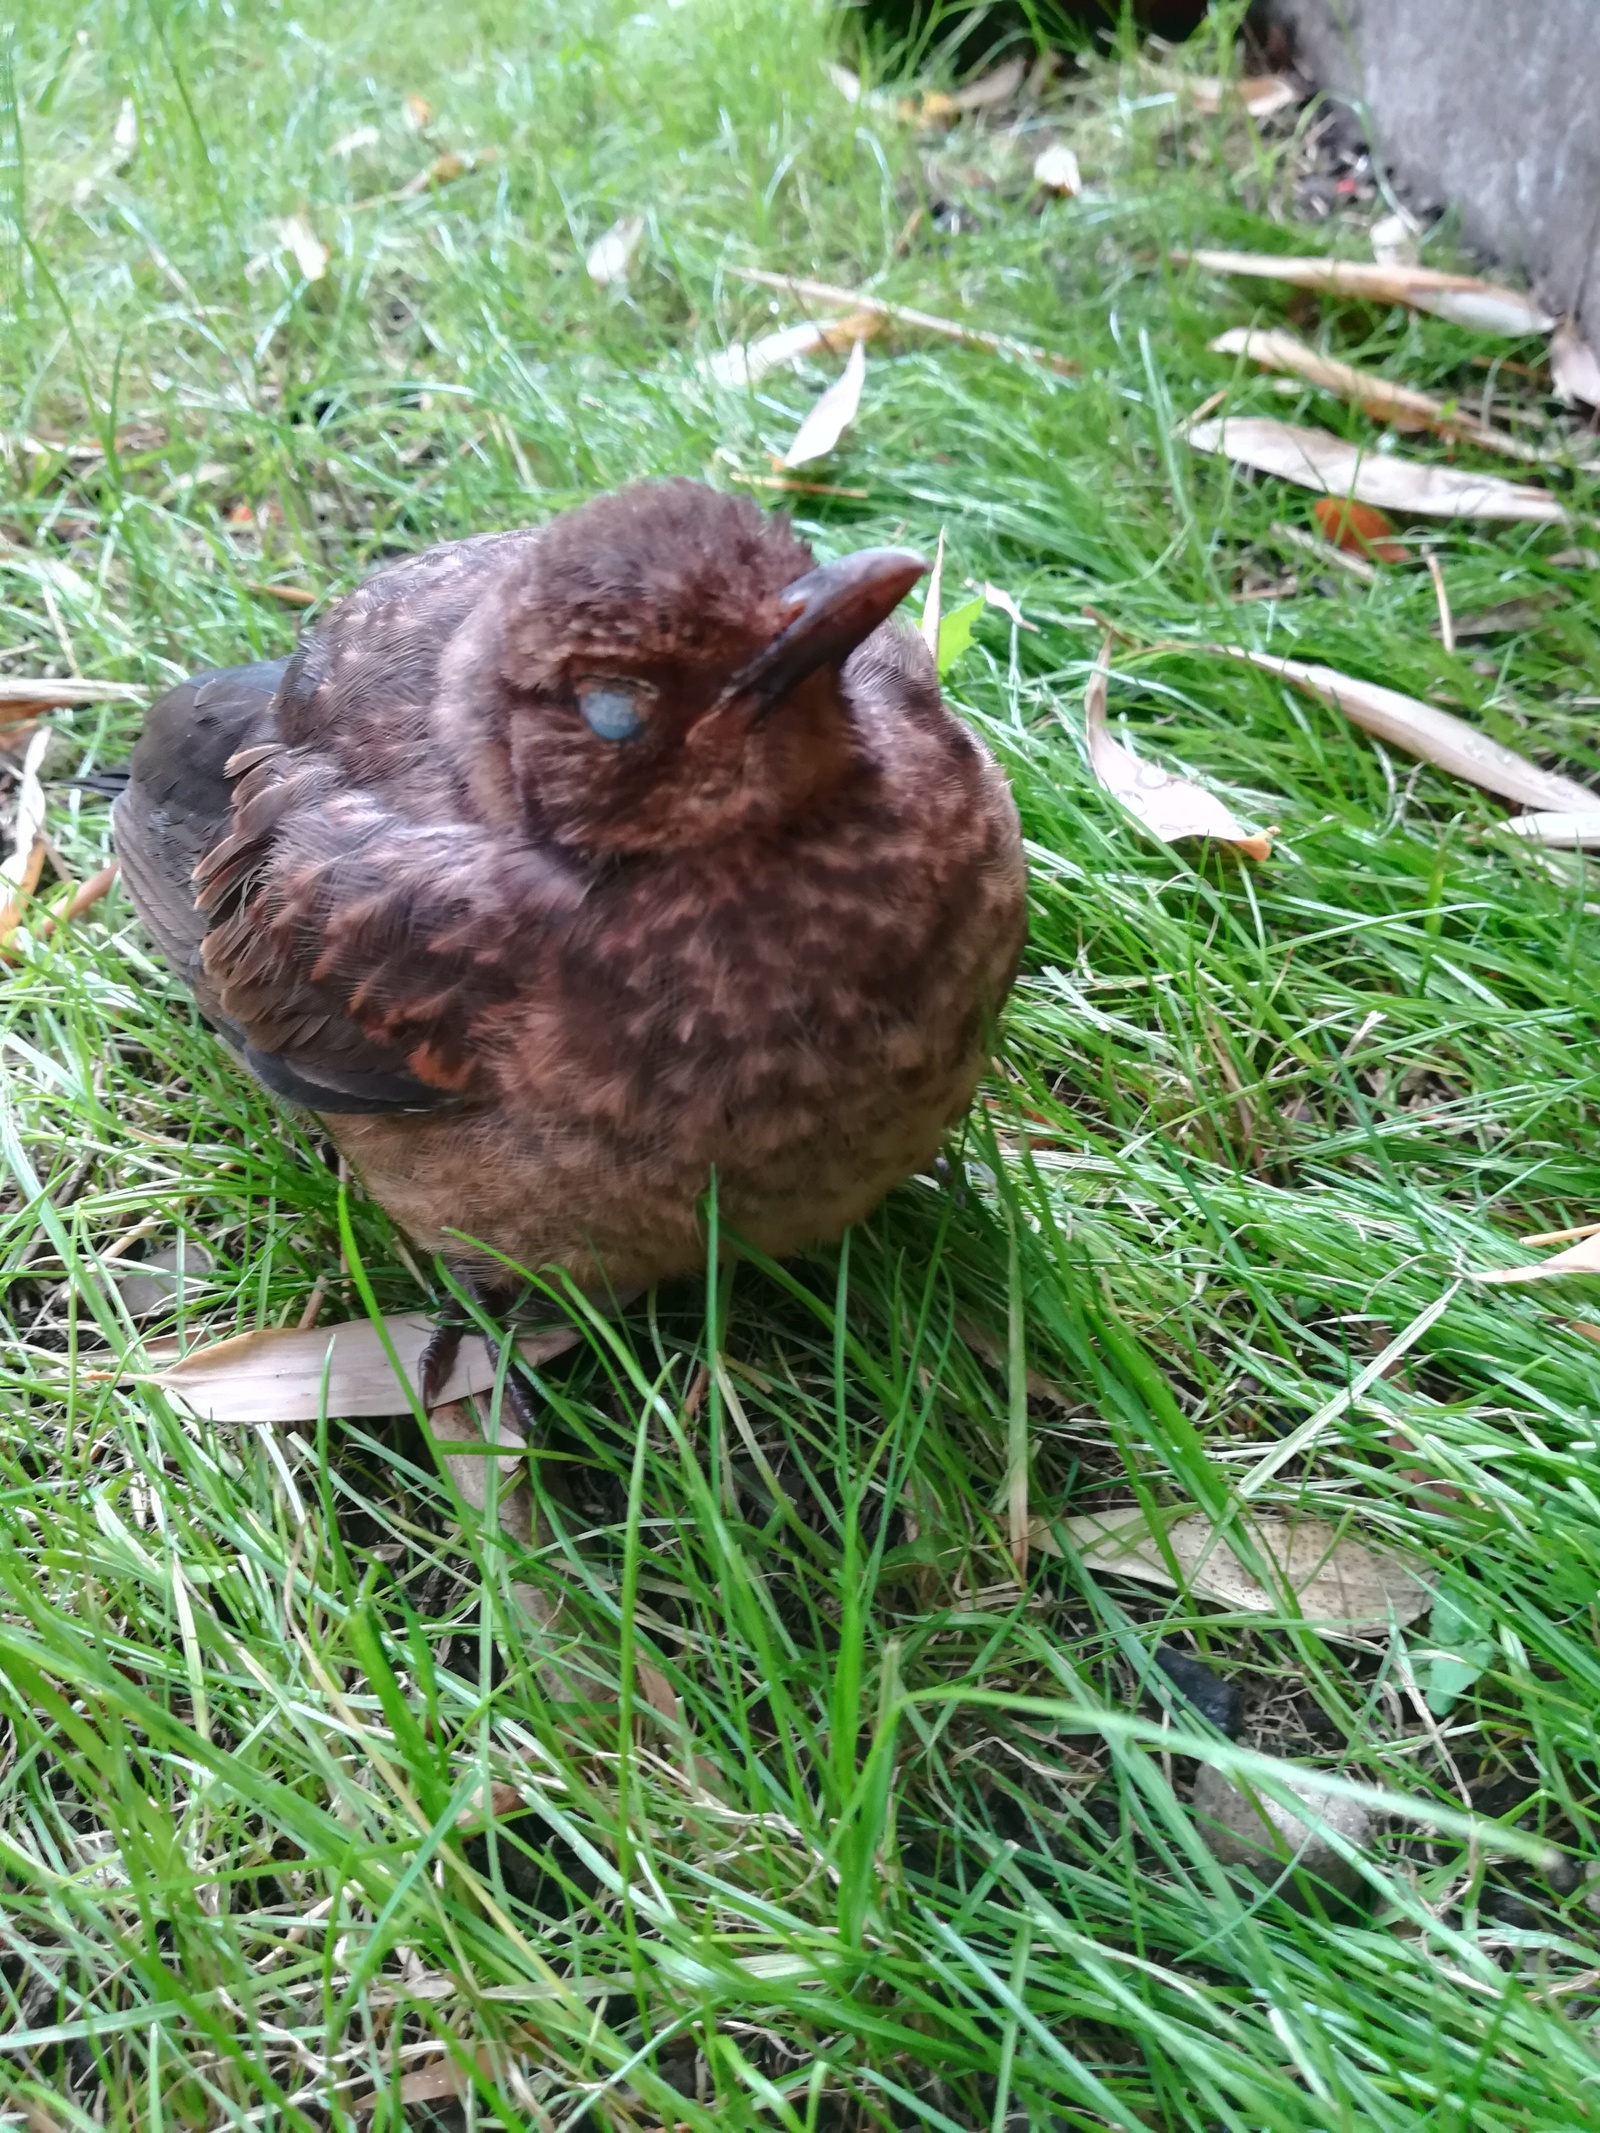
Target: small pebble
[1245, 1829]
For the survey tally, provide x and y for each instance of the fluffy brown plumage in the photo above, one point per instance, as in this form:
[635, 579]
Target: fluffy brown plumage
[560, 869]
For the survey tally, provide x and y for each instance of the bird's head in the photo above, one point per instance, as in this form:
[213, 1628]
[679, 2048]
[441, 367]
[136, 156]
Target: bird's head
[669, 669]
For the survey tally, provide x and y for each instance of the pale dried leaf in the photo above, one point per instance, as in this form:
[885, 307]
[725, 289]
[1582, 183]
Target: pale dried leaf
[1459, 297]
[997, 596]
[29, 820]
[1261, 94]
[1339, 1582]
[748, 362]
[276, 1375]
[610, 256]
[1581, 1258]
[125, 135]
[846, 81]
[311, 255]
[833, 413]
[1317, 459]
[1168, 806]
[353, 142]
[657, 1691]
[827, 292]
[1325, 552]
[996, 87]
[416, 111]
[1394, 240]
[1577, 559]
[1379, 397]
[1574, 367]
[1056, 168]
[1578, 831]
[459, 1422]
[156, 1281]
[933, 601]
[1423, 730]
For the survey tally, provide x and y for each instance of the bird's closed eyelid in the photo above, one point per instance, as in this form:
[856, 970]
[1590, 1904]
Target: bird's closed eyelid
[612, 708]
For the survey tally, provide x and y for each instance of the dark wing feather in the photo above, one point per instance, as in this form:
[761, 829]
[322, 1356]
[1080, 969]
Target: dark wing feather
[177, 803]
[297, 841]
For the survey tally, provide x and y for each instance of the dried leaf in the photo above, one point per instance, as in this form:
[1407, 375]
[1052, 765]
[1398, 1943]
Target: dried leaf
[1578, 831]
[1169, 807]
[311, 255]
[158, 1280]
[23, 696]
[1317, 459]
[416, 111]
[353, 142]
[1423, 730]
[748, 362]
[1340, 1583]
[827, 292]
[29, 821]
[846, 81]
[1056, 169]
[1379, 397]
[1324, 551]
[1459, 297]
[459, 1422]
[1504, 618]
[1356, 529]
[610, 256]
[833, 413]
[1261, 94]
[657, 1691]
[1581, 1258]
[277, 1375]
[1576, 559]
[997, 596]
[1574, 367]
[1394, 240]
[22, 887]
[996, 87]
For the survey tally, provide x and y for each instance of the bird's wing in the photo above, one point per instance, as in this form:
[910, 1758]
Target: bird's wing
[292, 837]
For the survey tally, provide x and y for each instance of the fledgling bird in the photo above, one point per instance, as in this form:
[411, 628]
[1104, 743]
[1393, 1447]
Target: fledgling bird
[561, 869]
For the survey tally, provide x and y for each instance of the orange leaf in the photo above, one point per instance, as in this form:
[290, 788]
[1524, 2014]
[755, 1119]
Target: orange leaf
[1359, 529]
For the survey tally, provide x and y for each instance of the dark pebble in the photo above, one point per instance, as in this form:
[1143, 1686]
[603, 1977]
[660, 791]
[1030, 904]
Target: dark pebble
[1221, 1702]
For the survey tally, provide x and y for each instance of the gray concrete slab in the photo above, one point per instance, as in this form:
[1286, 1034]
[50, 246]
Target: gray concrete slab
[1487, 107]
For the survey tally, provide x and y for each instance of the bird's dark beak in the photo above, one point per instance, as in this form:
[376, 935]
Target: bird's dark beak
[827, 613]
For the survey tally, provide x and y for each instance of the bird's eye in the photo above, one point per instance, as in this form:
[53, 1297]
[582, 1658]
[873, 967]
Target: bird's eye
[612, 709]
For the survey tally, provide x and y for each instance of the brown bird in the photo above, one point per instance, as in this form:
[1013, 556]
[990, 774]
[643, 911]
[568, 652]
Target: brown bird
[561, 870]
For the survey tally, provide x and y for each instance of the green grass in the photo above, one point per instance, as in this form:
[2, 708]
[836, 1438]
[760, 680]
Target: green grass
[904, 1847]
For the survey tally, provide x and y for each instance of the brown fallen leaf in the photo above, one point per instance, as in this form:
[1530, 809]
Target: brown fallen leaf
[608, 259]
[1260, 94]
[998, 86]
[1340, 1583]
[1574, 367]
[291, 595]
[83, 897]
[1438, 737]
[1504, 618]
[1462, 298]
[1357, 529]
[24, 695]
[22, 886]
[748, 362]
[1317, 459]
[1168, 806]
[416, 111]
[1056, 169]
[440, 2078]
[827, 292]
[19, 872]
[1581, 1258]
[1399, 405]
[1574, 831]
[444, 170]
[832, 414]
[277, 1375]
